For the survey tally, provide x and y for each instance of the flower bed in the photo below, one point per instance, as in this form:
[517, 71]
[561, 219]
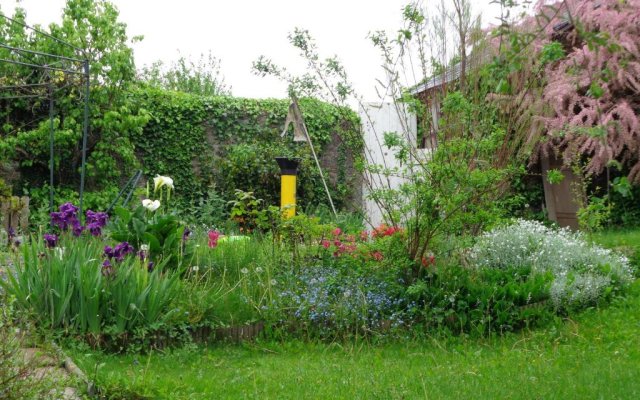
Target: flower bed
[141, 279]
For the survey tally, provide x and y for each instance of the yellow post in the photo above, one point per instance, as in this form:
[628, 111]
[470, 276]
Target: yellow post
[288, 175]
[288, 195]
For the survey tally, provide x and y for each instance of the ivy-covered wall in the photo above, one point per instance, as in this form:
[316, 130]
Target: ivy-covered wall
[229, 143]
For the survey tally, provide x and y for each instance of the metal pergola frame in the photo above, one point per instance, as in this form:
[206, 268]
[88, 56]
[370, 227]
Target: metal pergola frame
[54, 63]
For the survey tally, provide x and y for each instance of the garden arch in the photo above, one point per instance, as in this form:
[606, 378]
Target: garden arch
[40, 84]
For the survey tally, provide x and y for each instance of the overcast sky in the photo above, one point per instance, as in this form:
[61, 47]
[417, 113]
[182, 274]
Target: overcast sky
[239, 31]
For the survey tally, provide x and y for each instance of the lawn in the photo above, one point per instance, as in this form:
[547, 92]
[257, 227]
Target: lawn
[594, 356]
[625, 240]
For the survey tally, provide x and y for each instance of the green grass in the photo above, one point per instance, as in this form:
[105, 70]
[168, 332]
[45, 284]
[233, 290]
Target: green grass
[619, 239]
[596, 356]
[625, 241]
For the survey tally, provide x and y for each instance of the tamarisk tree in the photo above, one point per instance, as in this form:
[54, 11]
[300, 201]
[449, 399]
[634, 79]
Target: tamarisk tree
[579, 93]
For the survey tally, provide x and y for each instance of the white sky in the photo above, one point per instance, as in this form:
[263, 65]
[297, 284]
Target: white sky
[239, 31]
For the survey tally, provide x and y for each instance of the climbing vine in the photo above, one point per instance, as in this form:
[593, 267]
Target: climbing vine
[230, 143]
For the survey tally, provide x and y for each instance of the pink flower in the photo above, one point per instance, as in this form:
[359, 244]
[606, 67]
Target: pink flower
[213, 238]
[350, 248]
[342, 248]
[377, 255]
[325, 243]
[337, 232]
[364, 236]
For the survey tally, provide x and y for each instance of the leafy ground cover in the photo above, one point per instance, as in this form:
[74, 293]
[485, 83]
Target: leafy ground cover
[594, 356]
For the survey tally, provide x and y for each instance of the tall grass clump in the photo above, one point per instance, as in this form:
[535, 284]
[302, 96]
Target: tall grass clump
[232, 279]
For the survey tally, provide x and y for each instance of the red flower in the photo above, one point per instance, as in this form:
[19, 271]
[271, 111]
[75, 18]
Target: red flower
[385, 230]
[325, 243]
[337, 232]
[379, 231]
[213, 238]
[429, 260]
[390, 231]
[377, 255]
[364, 236]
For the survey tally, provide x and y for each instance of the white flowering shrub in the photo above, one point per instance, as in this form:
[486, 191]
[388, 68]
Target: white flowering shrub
[582, 272]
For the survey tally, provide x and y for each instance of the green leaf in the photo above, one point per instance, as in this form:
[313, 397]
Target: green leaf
[139, 227]
[152, 241]
[595, 90]
[123, 214]
[554, 176]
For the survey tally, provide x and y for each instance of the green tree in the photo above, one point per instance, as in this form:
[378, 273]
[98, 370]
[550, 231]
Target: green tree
[90, 30]
[202, 77]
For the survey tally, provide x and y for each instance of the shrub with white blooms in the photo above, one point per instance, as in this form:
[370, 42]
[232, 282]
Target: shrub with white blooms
[582, 272]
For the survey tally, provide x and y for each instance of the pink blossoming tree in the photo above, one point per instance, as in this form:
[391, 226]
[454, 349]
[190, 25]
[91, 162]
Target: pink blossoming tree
[587, 101]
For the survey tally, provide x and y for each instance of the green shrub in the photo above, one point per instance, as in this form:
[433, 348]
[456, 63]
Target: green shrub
[582, 273]
[625, 203]
[482, 301]
[210, 210]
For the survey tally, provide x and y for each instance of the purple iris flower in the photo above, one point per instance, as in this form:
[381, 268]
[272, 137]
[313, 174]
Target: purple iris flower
[122, 249]
[58, 219]
[108, 251]
[96, 221]
[67, 216]
[150, 266]
[186, 234]
[50, 240]
[107, 268]
[94, 228]
[77, 228]
[11, 233]
[69, 208]
[119, 252]
[97, 218]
